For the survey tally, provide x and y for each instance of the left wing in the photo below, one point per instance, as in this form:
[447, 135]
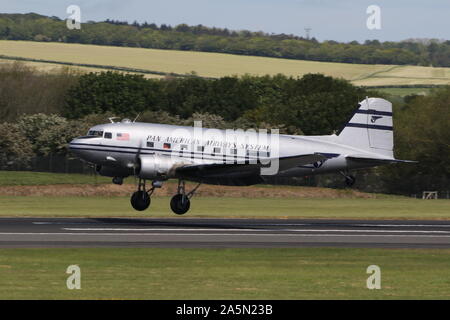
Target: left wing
[222, 170]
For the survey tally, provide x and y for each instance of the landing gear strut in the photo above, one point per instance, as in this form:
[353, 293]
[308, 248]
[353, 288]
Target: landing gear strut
[180, 202]
[349, 179]
[140, 200]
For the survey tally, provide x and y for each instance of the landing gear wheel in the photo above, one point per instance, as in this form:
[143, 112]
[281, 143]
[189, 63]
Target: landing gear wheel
[117, 180]
[140, 200]
[180, 204]
[350, 181]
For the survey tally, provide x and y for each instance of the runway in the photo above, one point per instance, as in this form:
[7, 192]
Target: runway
[221, 233]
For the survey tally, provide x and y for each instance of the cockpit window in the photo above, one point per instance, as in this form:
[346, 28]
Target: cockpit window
[108, 135]
[95, 133]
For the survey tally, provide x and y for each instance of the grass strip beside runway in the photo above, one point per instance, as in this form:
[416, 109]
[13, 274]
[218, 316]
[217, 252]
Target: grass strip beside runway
[385, 208]
[308, 273]
[29, 178]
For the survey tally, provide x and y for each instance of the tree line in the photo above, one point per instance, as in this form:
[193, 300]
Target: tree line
[308, 103]
[200, 38]
[42, 112]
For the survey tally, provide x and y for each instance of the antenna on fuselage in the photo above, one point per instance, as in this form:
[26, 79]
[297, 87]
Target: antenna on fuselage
[112, 119]
[136, 117]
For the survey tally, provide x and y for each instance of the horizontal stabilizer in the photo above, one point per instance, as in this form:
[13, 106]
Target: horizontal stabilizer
[364, 158]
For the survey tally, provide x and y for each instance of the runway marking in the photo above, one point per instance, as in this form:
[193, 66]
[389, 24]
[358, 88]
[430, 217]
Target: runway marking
[402, 225]
[220, 234]
[43, 222]
[257, 230]
[257, 224]
[162, 229]
[354, 225]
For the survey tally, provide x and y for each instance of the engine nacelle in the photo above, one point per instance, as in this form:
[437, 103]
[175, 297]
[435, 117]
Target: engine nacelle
[157, 166]
[111, 171]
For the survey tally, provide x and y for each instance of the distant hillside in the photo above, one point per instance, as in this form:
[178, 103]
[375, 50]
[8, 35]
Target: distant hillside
[37, 27]
[158, 63]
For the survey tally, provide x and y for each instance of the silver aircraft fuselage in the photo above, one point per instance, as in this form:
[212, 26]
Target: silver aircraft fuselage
[146, 139]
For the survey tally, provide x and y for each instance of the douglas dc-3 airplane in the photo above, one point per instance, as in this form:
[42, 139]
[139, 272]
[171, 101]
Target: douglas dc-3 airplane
[160, 152]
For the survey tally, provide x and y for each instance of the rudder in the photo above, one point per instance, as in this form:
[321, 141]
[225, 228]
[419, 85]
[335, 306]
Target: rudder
[371, 127]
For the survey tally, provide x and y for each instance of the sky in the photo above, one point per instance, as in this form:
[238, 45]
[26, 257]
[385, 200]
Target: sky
[339, 20]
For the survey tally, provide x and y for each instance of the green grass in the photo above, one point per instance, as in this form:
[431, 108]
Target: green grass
[389, 208]
[29, 178]
[308, 273]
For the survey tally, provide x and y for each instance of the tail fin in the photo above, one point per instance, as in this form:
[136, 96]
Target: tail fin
[371, 127]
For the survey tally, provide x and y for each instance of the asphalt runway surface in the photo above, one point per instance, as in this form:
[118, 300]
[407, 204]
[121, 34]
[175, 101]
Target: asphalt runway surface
[221, 233]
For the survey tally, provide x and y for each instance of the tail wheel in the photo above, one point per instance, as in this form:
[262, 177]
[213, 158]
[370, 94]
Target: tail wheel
[180, 204]
[140, 200]
[350, 181]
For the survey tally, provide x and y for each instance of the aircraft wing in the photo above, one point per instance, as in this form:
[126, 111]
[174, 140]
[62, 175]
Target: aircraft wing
[365, 158]
[219, 169]
[300, 160]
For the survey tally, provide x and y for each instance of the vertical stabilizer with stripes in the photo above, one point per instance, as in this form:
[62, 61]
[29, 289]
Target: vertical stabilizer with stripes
[371, 127]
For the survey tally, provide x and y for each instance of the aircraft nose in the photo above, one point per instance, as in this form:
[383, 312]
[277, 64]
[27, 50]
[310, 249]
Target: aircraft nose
[73, 142]
[72, 146]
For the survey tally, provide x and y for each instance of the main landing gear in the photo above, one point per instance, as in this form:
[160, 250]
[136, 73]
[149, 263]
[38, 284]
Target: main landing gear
[140, 200]
[349, 179]
[180, 203]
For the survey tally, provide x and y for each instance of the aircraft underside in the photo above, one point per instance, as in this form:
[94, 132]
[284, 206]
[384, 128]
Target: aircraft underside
[180, 202]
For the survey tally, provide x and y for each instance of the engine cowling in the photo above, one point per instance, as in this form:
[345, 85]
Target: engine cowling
[157, 166]
[111, 171]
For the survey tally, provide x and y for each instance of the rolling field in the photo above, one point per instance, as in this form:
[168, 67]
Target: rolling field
[406, 91]
[308, 273]
[217, 65]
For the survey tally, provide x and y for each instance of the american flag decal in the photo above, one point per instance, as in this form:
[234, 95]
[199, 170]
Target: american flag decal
[123, 136]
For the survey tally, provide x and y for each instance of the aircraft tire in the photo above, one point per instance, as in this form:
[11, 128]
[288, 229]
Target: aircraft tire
[140, 200]
[179, 206]
[117, 180]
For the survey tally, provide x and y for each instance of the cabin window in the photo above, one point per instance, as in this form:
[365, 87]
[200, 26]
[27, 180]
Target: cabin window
[95, 133]
[216, 150]
[150, 144]
[108, 135]
[183, 147]
[167, 146]
[233, 151]
[200, 148]
[252, 153]
[264, 154]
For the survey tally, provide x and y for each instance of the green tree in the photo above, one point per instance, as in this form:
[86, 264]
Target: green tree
[122, 94]
[48, 134]
[422, 133]
[16, 150]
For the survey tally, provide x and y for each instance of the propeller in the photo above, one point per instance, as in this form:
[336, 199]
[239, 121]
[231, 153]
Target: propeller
[136, 160]
[93, 167]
